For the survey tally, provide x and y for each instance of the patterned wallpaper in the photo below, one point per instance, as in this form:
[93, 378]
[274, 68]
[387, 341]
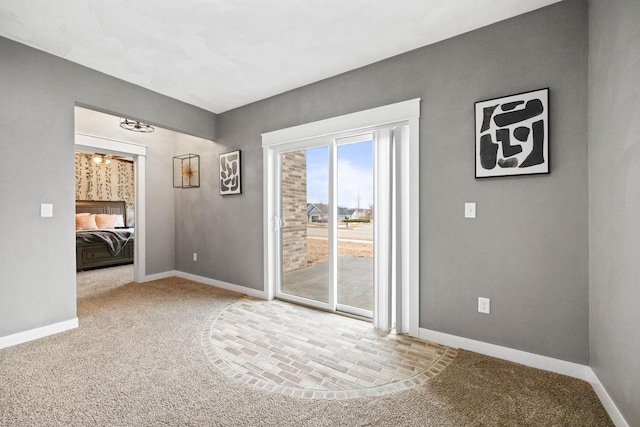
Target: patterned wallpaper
[100, 181]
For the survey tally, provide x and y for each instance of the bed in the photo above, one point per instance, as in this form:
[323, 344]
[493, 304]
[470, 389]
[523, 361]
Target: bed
[104, 247]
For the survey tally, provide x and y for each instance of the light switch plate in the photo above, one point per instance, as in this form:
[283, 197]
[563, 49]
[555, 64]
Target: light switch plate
[469, 210]
[46, 210]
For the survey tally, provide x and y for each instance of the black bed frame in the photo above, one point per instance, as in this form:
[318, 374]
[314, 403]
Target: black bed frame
[97, 255]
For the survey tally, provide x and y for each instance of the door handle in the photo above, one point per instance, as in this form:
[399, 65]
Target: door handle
[278, 223]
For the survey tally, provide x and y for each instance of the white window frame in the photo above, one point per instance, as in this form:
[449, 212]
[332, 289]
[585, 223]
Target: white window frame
[401, 113]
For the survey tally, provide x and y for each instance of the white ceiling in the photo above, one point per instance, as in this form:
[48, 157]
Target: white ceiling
[222, 54]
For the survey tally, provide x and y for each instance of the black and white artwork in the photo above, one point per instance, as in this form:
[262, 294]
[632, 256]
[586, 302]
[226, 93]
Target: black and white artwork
[512, 135]
[230, 173]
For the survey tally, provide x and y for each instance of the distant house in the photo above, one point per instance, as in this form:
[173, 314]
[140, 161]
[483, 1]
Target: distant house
[344, 213]
[314, 214]
[361, 214]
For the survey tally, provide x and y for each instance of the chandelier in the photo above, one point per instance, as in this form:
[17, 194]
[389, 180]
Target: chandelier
[102, 158]
[136, 126]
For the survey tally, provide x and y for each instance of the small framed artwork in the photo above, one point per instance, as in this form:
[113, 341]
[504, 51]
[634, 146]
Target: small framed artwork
[230, 173]
[512, 135]
[186, 171]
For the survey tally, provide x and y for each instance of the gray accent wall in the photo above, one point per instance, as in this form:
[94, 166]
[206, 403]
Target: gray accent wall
[614, 200]
[225, 231]
[38, 92]
[527, 250]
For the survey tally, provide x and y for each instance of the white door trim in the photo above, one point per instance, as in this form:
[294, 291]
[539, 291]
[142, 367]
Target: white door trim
[406, 112]
[374, 117]
[139, 153]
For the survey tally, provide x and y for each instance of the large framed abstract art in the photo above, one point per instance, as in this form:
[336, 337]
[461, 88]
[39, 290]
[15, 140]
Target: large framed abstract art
[512, 135]
[230, 173]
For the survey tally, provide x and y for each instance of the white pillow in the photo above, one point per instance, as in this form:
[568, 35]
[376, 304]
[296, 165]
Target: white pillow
[119, 221]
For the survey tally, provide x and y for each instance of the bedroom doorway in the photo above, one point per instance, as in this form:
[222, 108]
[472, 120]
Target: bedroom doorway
[110, 148]
[122, 246]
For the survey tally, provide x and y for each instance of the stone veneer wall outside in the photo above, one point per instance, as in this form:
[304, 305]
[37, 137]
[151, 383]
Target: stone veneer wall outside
[294, 210]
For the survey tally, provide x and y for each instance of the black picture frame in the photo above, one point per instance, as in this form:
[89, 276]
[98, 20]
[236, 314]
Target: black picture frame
[512, 135]
[230, 173]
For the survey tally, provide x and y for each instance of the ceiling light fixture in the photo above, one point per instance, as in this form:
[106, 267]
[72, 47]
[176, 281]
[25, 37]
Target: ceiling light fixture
[102, 158]
[136, 126]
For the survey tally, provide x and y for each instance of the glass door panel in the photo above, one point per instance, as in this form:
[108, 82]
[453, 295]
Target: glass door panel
[304, 227]
[355, 242]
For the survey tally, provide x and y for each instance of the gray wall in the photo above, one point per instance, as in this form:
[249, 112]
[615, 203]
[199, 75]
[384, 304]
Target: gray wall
[225, 231]
[37, 96]
[197, 228]
[528, 248]
[614, 200]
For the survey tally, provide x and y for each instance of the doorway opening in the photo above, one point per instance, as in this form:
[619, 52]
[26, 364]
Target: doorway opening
[127, 205]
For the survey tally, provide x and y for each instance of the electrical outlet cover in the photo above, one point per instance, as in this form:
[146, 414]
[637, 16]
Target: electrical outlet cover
[484, 305]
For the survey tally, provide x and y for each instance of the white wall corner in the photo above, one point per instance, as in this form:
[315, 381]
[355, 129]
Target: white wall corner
[608, 403]
[41, 332]
[158, 276]
[261, 294]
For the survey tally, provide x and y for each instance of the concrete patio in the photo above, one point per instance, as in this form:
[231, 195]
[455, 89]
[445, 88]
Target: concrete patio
[355, 282]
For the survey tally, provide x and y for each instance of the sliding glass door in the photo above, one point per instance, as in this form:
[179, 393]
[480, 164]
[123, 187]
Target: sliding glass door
[325, 218]
[314, 173]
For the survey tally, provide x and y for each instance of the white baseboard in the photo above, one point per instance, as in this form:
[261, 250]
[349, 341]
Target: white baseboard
[613, 411]
[41, 332]
[575, 370]
[224, 285]
[158, 276]
[207, 281]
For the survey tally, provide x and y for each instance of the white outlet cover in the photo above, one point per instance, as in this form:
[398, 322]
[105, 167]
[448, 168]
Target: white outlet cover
[469, 210]
[484, 305]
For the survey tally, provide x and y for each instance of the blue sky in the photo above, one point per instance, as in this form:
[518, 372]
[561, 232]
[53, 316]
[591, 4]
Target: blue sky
[355, 175]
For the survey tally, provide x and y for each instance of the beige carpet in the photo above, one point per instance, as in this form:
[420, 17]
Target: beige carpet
[137, 359]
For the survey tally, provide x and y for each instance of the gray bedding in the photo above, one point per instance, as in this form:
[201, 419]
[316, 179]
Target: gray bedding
[114, 239]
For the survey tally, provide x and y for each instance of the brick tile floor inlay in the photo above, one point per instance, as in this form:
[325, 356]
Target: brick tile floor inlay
[306, 353]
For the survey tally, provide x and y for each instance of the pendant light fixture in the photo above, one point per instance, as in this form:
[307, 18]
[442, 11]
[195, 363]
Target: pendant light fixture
[136, 126]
